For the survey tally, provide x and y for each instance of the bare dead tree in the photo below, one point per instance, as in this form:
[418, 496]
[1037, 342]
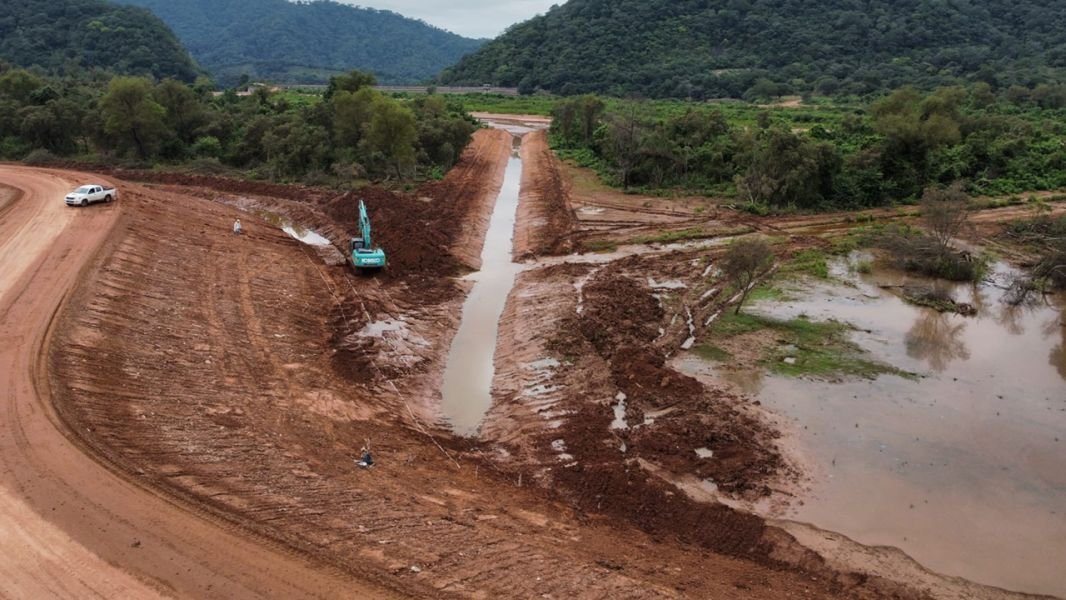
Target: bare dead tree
[945, 213]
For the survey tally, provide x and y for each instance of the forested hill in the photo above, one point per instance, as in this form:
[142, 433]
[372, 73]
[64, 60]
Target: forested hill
[729, 48]
[309, 41]
[68, 35]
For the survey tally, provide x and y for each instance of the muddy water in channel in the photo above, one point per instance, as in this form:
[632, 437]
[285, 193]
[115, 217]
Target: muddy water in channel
[467, 391]
[964, 468]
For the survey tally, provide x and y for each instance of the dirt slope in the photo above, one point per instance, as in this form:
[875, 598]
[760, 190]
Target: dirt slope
[545, 218]
[204, 365]
[72, 528]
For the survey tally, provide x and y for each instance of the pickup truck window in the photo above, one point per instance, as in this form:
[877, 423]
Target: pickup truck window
[85, 189]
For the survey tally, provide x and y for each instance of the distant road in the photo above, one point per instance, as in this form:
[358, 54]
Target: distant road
[422, 89]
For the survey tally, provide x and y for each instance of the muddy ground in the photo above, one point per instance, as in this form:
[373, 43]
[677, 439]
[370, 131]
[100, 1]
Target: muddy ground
[242, 375]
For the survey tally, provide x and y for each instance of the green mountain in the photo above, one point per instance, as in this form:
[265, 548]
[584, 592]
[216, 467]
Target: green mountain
[67, 35]
[309, 41]
[729, 48]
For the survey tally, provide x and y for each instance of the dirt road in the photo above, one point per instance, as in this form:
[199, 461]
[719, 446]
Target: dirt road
[71, 527]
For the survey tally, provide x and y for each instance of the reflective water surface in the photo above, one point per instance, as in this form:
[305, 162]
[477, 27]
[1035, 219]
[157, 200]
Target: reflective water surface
[467, 391]
[964, 468]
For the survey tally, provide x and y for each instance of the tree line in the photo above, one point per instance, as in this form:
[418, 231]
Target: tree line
[887, 151]
[763, 48]
[306, 42]
[71, 36]
[353, 133]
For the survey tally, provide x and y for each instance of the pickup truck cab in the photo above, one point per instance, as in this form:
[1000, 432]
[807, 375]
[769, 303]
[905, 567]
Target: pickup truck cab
[87, 194]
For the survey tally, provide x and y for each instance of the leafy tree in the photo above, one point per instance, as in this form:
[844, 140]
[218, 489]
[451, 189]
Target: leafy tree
[745, 262]
[441, 133]
[52, 126]
[352, 114]
[914, 128]
[19, 84]
[295, 148]
[350, 82]
[945, 213]
[565, 121]
[784, 169]
[393, 134]
[623, 138]
[184, 111]
[132, 116]
[590, 110]
[208, 147]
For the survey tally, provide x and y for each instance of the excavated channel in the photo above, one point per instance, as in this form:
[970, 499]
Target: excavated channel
[467, 390]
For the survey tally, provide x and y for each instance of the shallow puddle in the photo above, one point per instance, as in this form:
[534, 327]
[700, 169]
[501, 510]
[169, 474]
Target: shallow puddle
[467, 391]
[307, 236]
[295, 231]
[516, 127]
[964, 468]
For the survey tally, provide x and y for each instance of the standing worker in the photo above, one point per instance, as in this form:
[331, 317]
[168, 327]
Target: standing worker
[237, 227]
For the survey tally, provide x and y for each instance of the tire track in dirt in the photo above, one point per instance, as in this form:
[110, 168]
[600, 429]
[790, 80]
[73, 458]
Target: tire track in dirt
[195, 435]
[138, 375]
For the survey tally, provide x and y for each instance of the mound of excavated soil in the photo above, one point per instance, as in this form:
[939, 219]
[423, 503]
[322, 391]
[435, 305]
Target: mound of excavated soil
[545, 217]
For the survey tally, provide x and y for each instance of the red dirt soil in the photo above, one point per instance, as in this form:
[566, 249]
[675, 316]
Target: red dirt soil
[198, 363]
[545, 219]
[73, 528]
[237, 377]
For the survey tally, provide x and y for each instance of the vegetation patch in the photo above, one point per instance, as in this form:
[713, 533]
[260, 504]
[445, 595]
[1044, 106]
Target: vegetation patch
[797, 347]
[938, 300]
[712, 353]
[829, 155]
[930, 252]
[1037, 232]
[1045, 237]
[676, 235]
[768, 293]
[599, 245]
[814, 263]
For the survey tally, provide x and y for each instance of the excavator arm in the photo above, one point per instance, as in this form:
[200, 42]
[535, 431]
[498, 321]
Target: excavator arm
[364, 226]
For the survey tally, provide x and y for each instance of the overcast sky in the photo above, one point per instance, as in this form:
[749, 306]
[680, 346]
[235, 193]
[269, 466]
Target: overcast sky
[472, 18]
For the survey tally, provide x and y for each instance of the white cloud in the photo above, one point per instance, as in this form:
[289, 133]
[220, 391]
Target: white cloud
[472, 18]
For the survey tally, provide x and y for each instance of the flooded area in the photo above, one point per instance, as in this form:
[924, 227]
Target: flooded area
[467, 391]
[962, 467]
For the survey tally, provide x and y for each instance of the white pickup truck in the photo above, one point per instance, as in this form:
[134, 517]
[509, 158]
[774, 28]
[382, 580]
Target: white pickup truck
[87, 194]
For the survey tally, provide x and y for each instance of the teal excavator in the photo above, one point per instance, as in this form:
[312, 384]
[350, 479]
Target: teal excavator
[364, 255]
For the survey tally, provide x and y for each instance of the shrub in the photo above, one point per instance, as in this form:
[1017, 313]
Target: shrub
[207, 146]
[40, 157]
